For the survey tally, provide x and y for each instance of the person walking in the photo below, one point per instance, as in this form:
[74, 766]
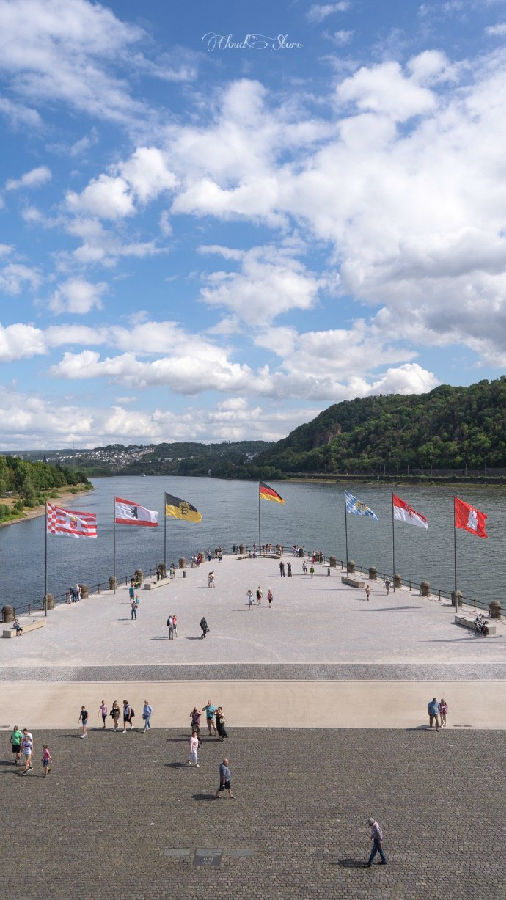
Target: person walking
[210, 711]
[170, 626]
[210, 580]
[47, 760]
[102, 711]
[225, 779]
[443, 709]
[304, 568]
[83, 719]
[249, 594]
[387, 585]
[367, 592]
[289, 569]
[204, 627]
[133, 609]
[27, 749]
[433, 711]
[270, 597]
[195, 722]
[16, 740]
[220, 724]
[377, 843]
[146, 715]
[259, 595]
[128, 715]
[174, 623]
[115, 714]
[131, 589]
[194, 746]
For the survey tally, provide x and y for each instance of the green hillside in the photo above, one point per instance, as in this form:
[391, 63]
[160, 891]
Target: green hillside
[448, 428]
[29, 484]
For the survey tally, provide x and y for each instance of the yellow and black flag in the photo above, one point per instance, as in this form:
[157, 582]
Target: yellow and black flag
[268, 493]
[181, 509]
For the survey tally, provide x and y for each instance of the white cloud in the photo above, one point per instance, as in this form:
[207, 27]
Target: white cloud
[18, 114]
[20, 341]
[384, 89]
[32, 179]
[77, 296]
[340, 38]
[317, 12]
[14, 277]
[497, 30]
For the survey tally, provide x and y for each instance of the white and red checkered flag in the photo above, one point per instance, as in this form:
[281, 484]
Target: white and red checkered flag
[69, 521]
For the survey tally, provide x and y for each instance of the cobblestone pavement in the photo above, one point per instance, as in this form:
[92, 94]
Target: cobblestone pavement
[121, 816]
[261, 672]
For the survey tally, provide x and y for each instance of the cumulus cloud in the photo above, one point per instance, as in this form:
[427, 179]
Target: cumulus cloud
[77, 296]
[32, 179]
[14, 277]
[20, 341]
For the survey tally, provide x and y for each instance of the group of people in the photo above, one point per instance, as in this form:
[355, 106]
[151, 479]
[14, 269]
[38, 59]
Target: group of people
[259, 595]
[73, 594]
[437, 711]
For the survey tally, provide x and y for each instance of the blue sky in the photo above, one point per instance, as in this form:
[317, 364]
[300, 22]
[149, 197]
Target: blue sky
[219, 218]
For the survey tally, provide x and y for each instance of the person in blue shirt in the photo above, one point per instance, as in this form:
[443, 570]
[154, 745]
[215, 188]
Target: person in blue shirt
[433, 710]
[210, 710]
[225, 779]
[146, 715]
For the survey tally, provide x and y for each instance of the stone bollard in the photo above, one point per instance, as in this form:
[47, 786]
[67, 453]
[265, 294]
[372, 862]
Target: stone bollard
[332, 562]
[48, 601]
[457, 598]
[182, 562]
[85, 591]
[8, 614]
[397, 581]
[351, 566]
[113, 583]
[494, 608]
[242, 550]
[373, 572]
[424, 588]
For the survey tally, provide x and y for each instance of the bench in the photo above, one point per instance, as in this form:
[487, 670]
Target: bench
[152, 585]
[352, 582]
[468, 622]
[29, 626]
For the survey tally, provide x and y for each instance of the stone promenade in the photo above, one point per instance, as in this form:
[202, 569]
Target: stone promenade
[122, 816]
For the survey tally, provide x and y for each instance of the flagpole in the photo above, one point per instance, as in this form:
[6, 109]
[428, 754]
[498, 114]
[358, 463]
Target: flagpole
[114, 543]
[455, 552]
[346, 532]
[165, 531]
[45, 564]
[393, 544]
[259, 543]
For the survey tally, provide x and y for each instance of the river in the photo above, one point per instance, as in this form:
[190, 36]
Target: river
[313, 516]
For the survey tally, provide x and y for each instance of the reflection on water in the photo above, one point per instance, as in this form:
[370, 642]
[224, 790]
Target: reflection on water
[313, 516]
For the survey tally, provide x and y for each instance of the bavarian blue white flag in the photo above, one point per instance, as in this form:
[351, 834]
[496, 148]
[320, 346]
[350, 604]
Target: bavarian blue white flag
[357, 507]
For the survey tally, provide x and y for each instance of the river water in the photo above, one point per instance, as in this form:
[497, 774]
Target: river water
[313, 516]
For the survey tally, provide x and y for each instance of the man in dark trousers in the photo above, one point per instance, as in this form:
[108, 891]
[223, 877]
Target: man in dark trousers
[225, 779]
[377, 839]
[204, 626]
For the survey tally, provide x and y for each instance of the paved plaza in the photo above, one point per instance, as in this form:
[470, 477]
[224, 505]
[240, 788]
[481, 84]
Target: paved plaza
[122, 816]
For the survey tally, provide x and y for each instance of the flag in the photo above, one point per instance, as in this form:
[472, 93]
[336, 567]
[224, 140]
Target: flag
[405, 513]
[69, 521]
[469, 518]
[268, 493]
[181, 509]
[126, 512]
[357, 507]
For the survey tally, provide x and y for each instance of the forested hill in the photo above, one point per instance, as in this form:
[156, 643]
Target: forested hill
[29, 484]
[448, 428]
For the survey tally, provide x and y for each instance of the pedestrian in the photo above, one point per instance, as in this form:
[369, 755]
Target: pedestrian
[304, 568]
[249, 594]
[47, 760]
[204, 627]
[210, 711]
[115, 714]
[387, 585]
[170, 626]
[367, 592]
[443, 709]
[146, 715]
[210, 580]
[289, 569]
[311, 571]
[195, 722]
[174, 623]
[27, 748]
[194, 746]
[377, 841]
[220, 725]
[433, 710]
[259, 595]
[281, 569]
[270, 597]
[131, 589]
[16, 740]
[225, 779]
[102, 711]
[128, 714]
[83, 719]
[133, 609]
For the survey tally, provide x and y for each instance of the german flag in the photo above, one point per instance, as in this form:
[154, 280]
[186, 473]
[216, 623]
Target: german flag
[181, 509]
[268, 493]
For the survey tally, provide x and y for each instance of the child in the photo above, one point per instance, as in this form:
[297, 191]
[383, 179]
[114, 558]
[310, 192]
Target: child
[249, 594]
[47, 759]
[103, 712]
[83, 719]
[443, 709]
[269, 597]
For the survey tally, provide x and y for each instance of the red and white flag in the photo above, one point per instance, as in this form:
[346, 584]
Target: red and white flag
[126, 512]
[469, 518]
[405, 513]
[69, 521]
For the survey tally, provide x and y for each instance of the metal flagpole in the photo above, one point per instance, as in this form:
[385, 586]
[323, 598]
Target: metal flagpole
[393, 545]
[259, 541]
[165, 531]
[455, 552]
[114, 542]
[346, 531]
[45, 566]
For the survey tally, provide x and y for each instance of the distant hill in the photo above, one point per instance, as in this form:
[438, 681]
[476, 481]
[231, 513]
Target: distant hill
[29, 484]
[448, 428]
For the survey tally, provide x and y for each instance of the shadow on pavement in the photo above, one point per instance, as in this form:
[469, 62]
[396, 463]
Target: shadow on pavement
[204, 796]
[349, 863]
